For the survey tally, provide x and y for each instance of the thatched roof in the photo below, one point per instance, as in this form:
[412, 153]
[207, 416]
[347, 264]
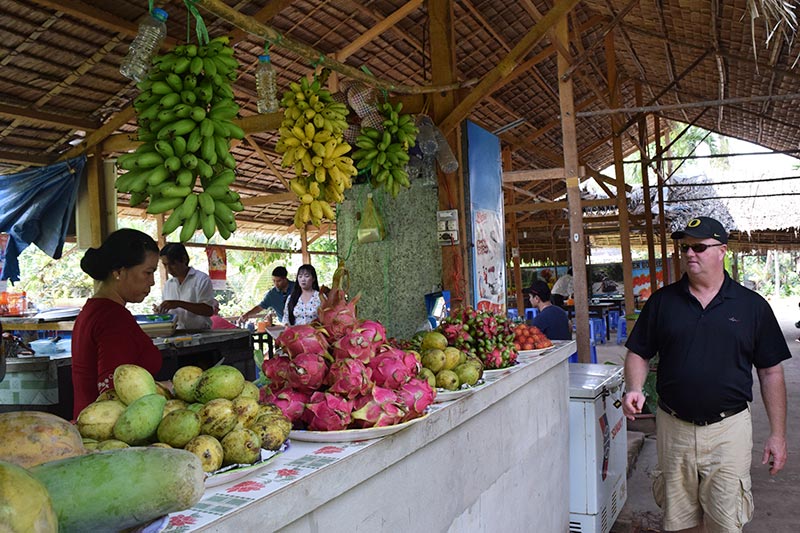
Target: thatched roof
[60, 76]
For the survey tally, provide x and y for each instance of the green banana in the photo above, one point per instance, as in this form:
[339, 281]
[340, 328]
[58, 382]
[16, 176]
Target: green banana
[160, 205]
[172, 222]
[189, 205]
[209, 225]
[206, 203]
[189, 226]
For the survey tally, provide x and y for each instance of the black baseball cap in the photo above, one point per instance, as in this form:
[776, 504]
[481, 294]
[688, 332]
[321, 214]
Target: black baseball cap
[539, 288]
[703, 228]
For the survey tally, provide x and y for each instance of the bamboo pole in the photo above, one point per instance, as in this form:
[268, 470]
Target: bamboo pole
[577, 251]
[622, 201]
[278, 40]
[507, 65]
[642, 127]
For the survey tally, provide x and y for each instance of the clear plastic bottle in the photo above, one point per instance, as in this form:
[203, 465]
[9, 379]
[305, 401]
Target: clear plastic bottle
[266, 85]
[152, 32]
[426, 139]
[445, 157]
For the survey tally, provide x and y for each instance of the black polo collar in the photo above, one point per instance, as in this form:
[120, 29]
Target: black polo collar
[728, 289]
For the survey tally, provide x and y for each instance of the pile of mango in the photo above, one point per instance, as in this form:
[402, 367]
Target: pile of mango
[215, 414]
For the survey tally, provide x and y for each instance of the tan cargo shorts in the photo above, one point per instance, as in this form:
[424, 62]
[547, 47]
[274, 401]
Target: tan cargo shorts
[704, 473]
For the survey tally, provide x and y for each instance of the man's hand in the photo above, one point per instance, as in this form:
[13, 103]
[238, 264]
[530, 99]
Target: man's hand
[166, 306]
[632, 404]
[774, 454]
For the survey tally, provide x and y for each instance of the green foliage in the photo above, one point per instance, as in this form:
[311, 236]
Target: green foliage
[49, 282]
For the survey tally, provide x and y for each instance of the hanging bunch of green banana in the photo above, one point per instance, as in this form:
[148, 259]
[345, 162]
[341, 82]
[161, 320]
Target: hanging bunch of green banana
[184, 114]
[312, 143]
[385, 151]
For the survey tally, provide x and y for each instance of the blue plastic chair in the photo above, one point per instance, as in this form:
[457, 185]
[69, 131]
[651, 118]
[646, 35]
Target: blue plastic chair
[593, 358]
[613, 319]
[597, 330]
[622, 330]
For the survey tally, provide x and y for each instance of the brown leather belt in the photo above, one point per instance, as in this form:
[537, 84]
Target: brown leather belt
[723, 415]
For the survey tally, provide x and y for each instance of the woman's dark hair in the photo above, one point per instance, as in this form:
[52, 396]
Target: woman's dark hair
[175, 251]
[297, 291]
[124, 248]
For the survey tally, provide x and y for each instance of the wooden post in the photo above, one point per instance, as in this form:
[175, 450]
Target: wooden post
[162, 241]
[662, 220]
[648, 211]
[456, 277]
[577, 252]
[622, 201]
[515, 259]
[304, 245]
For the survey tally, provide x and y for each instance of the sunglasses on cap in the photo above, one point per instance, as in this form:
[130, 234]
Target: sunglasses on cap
[698, 248]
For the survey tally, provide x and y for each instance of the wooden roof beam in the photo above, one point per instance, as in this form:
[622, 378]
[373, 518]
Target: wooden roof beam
[506, 65]
[88, 13]
[48, 119]
[383, 25]
[560, 204]
[540, 174]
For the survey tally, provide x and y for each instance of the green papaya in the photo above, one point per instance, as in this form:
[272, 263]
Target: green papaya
[119, 489]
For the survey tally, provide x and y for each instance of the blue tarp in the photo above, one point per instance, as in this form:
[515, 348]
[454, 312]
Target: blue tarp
[36, 207]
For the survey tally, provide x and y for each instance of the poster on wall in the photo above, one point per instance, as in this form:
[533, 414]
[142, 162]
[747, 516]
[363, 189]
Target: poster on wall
[217, 266]
[485, 201]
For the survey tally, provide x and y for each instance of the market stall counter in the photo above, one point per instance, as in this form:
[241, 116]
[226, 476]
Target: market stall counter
[45, 383]
[493, 460]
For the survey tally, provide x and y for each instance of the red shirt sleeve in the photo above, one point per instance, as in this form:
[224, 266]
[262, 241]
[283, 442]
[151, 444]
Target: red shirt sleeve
[106, 336]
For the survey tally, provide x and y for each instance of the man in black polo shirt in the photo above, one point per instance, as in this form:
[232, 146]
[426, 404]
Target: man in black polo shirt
[708, 332]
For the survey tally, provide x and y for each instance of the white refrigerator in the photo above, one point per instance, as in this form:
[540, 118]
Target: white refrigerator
[598, 447]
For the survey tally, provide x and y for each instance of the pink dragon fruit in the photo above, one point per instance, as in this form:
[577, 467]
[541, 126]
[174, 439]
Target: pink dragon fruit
[349, 378]
[415, 395]
[373, 332]
[337, 315]
[493, 359]
[408, 358]
[291, 402]
[328, 412]
[390, 370]
[277, 370]
[353, 345]
[307, 372]
[381, 407]
[303, 339]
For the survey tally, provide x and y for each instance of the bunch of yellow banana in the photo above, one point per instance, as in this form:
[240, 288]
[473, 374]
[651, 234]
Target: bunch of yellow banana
[312, 144]
[184, 114]
[385, 152]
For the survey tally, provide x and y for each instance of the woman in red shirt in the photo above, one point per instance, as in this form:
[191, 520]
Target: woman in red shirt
[106, 334]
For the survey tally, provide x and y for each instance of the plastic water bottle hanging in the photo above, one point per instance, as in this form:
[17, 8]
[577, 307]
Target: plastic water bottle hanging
[152, 32]
[266, 85]
[445, 157]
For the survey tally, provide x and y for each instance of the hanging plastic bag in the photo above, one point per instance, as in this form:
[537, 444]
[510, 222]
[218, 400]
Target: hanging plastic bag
[371, 228]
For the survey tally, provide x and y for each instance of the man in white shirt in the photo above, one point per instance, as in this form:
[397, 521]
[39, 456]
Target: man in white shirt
[188, 293]
[562, 289]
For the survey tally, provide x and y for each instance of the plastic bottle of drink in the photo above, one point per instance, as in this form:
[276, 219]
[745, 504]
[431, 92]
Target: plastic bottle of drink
[152, 32]
[266, 85]
[445, 157]
[426, 138]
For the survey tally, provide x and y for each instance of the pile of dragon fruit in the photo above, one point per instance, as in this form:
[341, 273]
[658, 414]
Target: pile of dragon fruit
[341, 373]
[486, 335]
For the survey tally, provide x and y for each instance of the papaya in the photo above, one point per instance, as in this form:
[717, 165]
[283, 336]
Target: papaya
[25, 505]
[29, 438]
[140, 419]
[118, 489]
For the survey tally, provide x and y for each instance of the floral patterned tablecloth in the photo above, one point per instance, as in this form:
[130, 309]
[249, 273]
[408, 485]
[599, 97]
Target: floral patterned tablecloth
[299, 460]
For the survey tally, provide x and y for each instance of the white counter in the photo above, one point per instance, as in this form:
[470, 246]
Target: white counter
[495, 460]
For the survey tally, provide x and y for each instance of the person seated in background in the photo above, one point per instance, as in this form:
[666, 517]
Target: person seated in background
[188, 294]
[275, 298]
[562, 289]
[551, 319]
[105, 334]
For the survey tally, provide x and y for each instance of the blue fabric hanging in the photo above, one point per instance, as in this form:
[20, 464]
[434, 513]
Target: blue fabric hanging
[36, 207]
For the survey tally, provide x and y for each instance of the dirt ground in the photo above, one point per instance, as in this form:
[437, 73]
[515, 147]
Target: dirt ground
[776, 497]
